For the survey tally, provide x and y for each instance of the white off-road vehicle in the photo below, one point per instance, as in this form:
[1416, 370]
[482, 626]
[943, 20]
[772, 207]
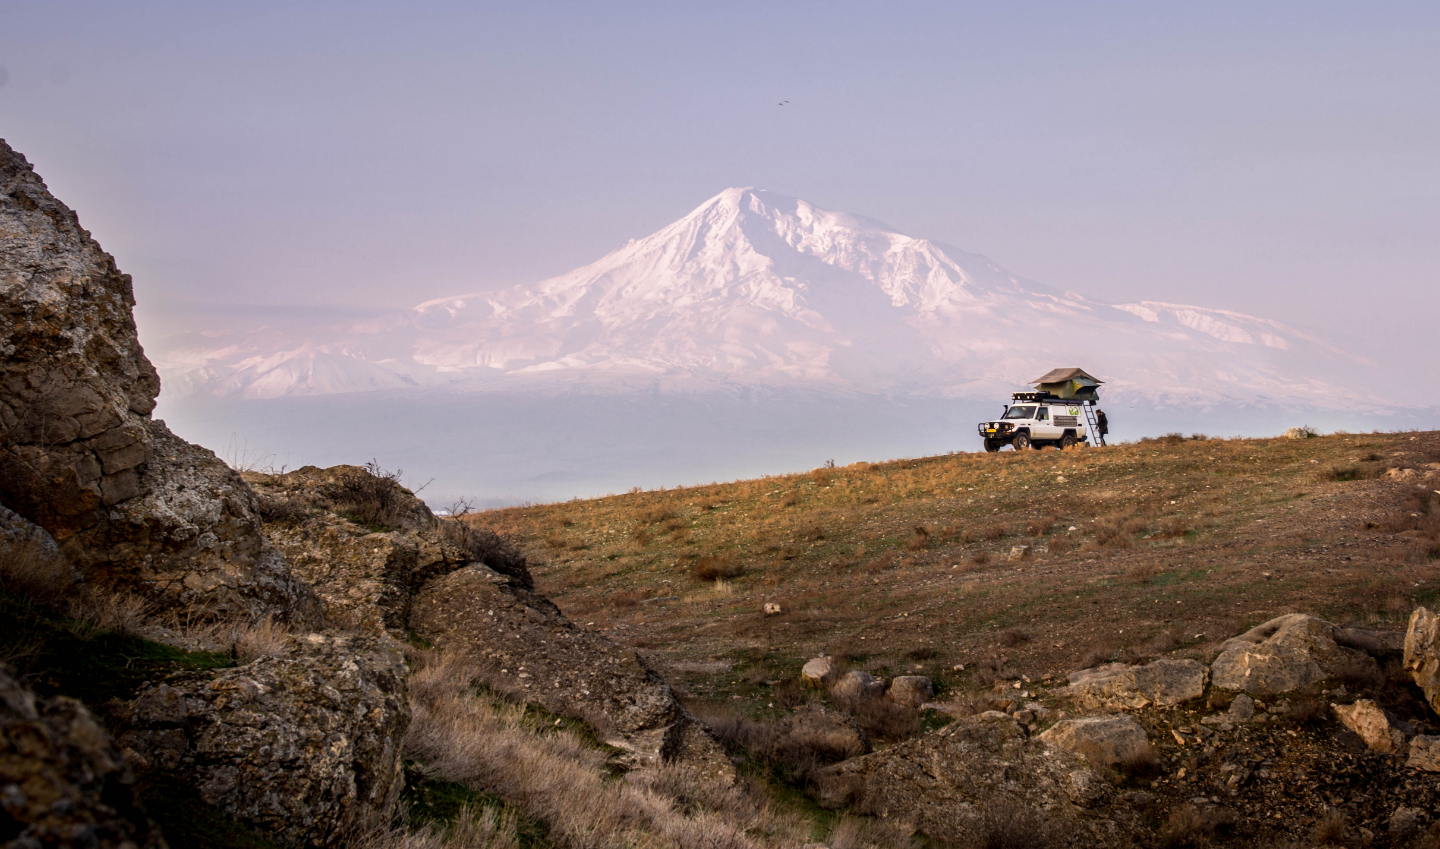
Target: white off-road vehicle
[1061, 412]
[1031, 421]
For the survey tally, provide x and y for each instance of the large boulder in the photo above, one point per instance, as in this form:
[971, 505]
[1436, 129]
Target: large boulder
[912, 690]
[1102, 740]
[63, 781]
[1287, 653]
[980, 774]
[525, 647]
[1422, 653]
[857, 686]
[131, 504]
[1118, 686]
[298, 746]
[818, 672]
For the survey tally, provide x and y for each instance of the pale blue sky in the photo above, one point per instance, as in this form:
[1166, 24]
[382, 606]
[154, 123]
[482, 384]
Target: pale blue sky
[1275, 158]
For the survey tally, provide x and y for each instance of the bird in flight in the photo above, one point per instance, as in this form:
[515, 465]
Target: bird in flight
[782, 103]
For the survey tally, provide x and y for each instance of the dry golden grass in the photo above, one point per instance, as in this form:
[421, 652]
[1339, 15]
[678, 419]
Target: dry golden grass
[554, 776]
[1145, 548]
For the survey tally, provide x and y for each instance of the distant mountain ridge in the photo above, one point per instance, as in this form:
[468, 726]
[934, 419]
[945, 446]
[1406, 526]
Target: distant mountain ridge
[754, 289]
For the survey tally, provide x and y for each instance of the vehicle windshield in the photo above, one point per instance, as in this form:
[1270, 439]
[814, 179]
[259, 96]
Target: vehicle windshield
[1020, 413]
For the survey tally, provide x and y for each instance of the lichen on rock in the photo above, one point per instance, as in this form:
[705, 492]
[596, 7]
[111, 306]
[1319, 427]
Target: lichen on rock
[63, 781]
[299, 746]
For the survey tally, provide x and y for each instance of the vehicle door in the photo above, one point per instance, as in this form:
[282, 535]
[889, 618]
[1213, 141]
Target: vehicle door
[1043, 428]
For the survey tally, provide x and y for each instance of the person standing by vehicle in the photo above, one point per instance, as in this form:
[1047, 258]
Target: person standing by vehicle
[1102, 425]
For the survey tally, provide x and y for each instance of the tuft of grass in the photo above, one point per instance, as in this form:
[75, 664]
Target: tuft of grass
[1192, 827]
[715, 568]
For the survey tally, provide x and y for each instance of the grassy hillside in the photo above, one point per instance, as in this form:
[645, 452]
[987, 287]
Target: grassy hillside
[917, 565]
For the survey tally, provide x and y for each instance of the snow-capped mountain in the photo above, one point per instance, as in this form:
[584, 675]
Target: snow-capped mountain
[756, 289]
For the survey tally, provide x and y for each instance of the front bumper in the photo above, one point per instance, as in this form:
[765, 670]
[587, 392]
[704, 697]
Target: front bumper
[996, 430]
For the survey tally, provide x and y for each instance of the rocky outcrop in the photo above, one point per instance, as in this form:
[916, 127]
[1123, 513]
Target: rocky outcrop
[974, 775]
[526, 647]
[1118, 686]
[1422, 653]
[1102, 740]
[131, 504]
[296, 746]
[1287, 653]
[63, 781]
[367, 544]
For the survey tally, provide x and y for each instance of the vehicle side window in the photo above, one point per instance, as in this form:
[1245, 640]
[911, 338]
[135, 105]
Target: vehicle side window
[1043, 414]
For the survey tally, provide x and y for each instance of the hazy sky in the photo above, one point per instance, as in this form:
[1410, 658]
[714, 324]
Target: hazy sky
[1276, 158]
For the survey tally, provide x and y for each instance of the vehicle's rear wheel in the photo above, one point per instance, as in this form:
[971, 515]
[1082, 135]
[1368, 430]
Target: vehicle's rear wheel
[1022, 441]
[992, 445]
[1067, 441]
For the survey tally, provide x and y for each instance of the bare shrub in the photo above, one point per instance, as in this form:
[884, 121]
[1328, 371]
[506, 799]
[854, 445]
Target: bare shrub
[654, 515]
[1342, 473]
[281, 508]
[1141, 762]
[1008, 823]
[628, 598]
[995, 532]
[920, 653]
[980, 558]
[1165, 641]
[880, 564]
[1012, 637]
[919, 540]
[789, 694]
[110, 610]
[642, 536]
[1096, 654]
[372, 497]
[886, 719]
[1190, 826]
[486, 546]
[1172, 527]
[1142, 573]
[1111, 533]
[791, 499]
[1135, 525]
[713, 567]
[1040, 527]
[262, 638]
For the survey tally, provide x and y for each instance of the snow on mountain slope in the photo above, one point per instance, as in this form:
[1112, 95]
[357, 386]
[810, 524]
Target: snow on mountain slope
[756, 289]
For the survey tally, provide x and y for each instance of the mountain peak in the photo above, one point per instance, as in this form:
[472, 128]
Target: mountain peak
[758, 288]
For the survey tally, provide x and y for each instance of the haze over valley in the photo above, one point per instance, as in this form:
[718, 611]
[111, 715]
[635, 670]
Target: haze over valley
[757, 334]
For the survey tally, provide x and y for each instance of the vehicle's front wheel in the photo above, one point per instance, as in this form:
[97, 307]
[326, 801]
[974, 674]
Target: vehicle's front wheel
[1067, 441]
[1022, 441]
[992, 445]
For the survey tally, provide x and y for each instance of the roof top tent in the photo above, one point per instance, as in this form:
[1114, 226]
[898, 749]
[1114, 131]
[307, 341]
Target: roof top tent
[1070, 383]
